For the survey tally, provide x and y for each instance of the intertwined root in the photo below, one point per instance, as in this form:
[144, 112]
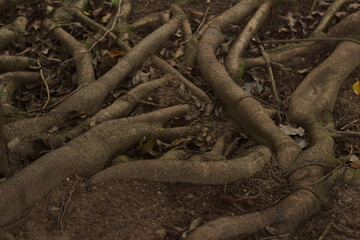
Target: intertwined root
[88, 147]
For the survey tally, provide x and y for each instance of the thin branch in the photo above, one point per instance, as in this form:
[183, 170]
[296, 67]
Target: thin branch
[198, 29]
[270, 71]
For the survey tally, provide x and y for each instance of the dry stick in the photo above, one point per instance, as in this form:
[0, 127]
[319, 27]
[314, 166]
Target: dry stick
[46, 86]
[65, 206]
[327, 230]
[270, 71]
[58, 102]
[349, 124]
[310, 40]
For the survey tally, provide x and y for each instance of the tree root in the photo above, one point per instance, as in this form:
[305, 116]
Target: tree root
[11, 31]
[85, 156]
[341, 30]
[233, 59]
[119, 108]
[208, 168]
[244, 109]
[15, 63]
[83, 61]
[9, 83]
[95, 92]
[330, 12]
[310, 105]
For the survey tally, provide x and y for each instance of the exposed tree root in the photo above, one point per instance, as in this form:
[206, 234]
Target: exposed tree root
[340, 30]
[10, 32]
[9, 83]
[325, 20]
[95, 92]
[310, 107]
[83, 60]
[15, 63]
[207, 168]
[244, 109]
[91, 145]
[119, 108]
[85, 156]
[233, 60]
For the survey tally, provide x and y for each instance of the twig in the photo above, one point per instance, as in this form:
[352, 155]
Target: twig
[327, 175]
[268, 65]
[58, 102]
[286, 174]
[198, 29]
[349, 124]
[103, 36]
[112, 27]
[65, 206]
[46, 86]
[146, 5]
[327, 230]
[310, 40]
[344, 133]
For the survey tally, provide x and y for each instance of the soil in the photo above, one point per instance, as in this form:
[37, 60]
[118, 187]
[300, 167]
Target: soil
[130, 209]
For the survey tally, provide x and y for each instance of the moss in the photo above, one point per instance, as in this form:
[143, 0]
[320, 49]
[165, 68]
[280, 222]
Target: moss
[239, 77]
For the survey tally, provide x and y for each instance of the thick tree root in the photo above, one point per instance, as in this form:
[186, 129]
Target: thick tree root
[207, 168]
[85, 156]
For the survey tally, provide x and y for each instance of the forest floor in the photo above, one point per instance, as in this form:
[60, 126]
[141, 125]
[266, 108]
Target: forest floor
[128, 209]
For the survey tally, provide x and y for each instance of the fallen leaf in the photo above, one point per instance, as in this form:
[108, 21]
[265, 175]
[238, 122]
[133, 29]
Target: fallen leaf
[292, 130]
[356, 88]
[147, 147]
[179, 52]
[355, 164]
[114, 53]
[196, 223]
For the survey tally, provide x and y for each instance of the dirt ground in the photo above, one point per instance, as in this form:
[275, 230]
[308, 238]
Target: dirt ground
[130, 209]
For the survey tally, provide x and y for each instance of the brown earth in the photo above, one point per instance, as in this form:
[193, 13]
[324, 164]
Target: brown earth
[150, 210]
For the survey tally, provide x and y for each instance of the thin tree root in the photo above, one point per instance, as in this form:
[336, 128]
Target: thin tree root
[340, 30]
[233, 59]
[326, 18]
[83, 61]
[119, 108]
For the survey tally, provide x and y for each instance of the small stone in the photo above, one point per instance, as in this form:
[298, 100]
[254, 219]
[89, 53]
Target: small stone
[161, 233]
